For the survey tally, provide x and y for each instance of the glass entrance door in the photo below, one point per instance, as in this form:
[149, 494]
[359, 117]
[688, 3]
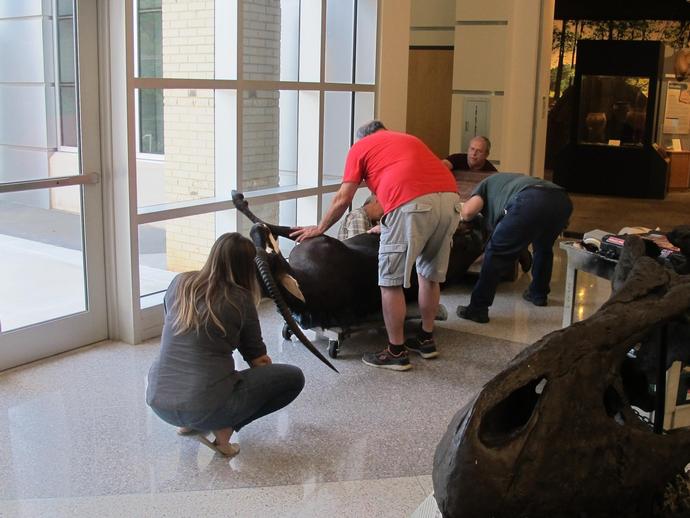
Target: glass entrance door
[52, 279]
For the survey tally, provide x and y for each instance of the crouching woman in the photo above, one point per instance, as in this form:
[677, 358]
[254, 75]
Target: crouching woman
[194, 384]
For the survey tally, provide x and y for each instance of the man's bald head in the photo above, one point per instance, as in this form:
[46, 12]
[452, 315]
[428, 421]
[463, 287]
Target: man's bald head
[478, 152]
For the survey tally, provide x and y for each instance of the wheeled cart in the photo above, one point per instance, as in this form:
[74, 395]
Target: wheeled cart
[337, 335]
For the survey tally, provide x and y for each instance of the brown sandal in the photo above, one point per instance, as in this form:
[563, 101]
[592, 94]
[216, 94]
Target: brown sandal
[227, 450]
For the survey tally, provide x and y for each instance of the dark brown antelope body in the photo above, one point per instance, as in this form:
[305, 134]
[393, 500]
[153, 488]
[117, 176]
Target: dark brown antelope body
[331, 283]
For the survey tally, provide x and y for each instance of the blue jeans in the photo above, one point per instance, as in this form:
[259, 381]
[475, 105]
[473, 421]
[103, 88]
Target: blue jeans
[535, 215]
[260, 391]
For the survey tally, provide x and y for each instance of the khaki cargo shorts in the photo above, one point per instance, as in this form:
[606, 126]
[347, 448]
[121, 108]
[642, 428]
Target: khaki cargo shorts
[421, 232]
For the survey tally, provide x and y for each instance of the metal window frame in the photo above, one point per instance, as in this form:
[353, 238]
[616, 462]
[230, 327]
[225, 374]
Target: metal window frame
[164, 212]
[56, 76]
[137, 66]
[158, 213]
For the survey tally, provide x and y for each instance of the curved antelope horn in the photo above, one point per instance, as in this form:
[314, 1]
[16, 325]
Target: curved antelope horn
[243, 206]
[261, 261]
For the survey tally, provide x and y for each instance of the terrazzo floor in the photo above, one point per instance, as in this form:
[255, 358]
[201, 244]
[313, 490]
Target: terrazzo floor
[77, 438]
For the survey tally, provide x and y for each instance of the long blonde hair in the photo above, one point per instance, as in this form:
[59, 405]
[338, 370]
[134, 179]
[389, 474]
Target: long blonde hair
[230, 264]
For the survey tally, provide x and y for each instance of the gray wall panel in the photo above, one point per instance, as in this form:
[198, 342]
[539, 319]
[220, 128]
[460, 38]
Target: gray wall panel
[21, 59]
[14, 8]
[22, 164]
[24, 113]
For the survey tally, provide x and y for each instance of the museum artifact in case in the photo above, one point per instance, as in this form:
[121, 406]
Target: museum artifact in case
[613, 110]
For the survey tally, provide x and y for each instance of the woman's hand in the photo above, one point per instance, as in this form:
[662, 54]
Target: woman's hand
[376, 229]
[261, 361]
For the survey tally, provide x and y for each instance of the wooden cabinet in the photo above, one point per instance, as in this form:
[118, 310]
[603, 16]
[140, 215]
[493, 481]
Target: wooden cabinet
[680, 170]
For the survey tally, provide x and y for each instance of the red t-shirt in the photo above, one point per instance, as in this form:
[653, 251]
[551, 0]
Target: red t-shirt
[397, 167]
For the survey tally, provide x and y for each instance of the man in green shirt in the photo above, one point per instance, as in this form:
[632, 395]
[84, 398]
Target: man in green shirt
[519, 210]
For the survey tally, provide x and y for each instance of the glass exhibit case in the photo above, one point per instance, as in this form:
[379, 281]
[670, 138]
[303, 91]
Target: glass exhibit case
[613, 110]
[613, 129]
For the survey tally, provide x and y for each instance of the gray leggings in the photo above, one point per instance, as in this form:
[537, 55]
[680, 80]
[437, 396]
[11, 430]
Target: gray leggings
[260, 391]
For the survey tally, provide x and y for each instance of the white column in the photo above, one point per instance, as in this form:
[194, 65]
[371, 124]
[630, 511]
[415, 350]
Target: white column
[523, 75]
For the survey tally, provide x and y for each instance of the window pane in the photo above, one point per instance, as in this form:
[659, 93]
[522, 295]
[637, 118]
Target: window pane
[262, 38]
[310, 40]
[288, 213]
[167, 248]
[309, 134]
[193, 166]
[307, 211]
[270, 137]
[364, 110]
[150, 48]
[149, 4]
[288, 131]
[37, 117]
[64, 7]
[278, 213]
[192, 40]
[337, 134]
[66, 90]
[66, 50]
[151, 121]
[340, 126]
[68, 116]
[289, 40]
[365, 63]
[339, 39]
[42, 260]
[282, 40]
[288, 218]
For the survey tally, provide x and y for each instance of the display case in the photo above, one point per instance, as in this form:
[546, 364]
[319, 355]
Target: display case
[613, 129]
[613, 110]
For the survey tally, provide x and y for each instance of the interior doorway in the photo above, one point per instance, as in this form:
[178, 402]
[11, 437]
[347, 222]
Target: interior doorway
[429, 96]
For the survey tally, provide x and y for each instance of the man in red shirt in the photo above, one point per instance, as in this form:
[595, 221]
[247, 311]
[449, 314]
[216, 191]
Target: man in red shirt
[421, 210]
